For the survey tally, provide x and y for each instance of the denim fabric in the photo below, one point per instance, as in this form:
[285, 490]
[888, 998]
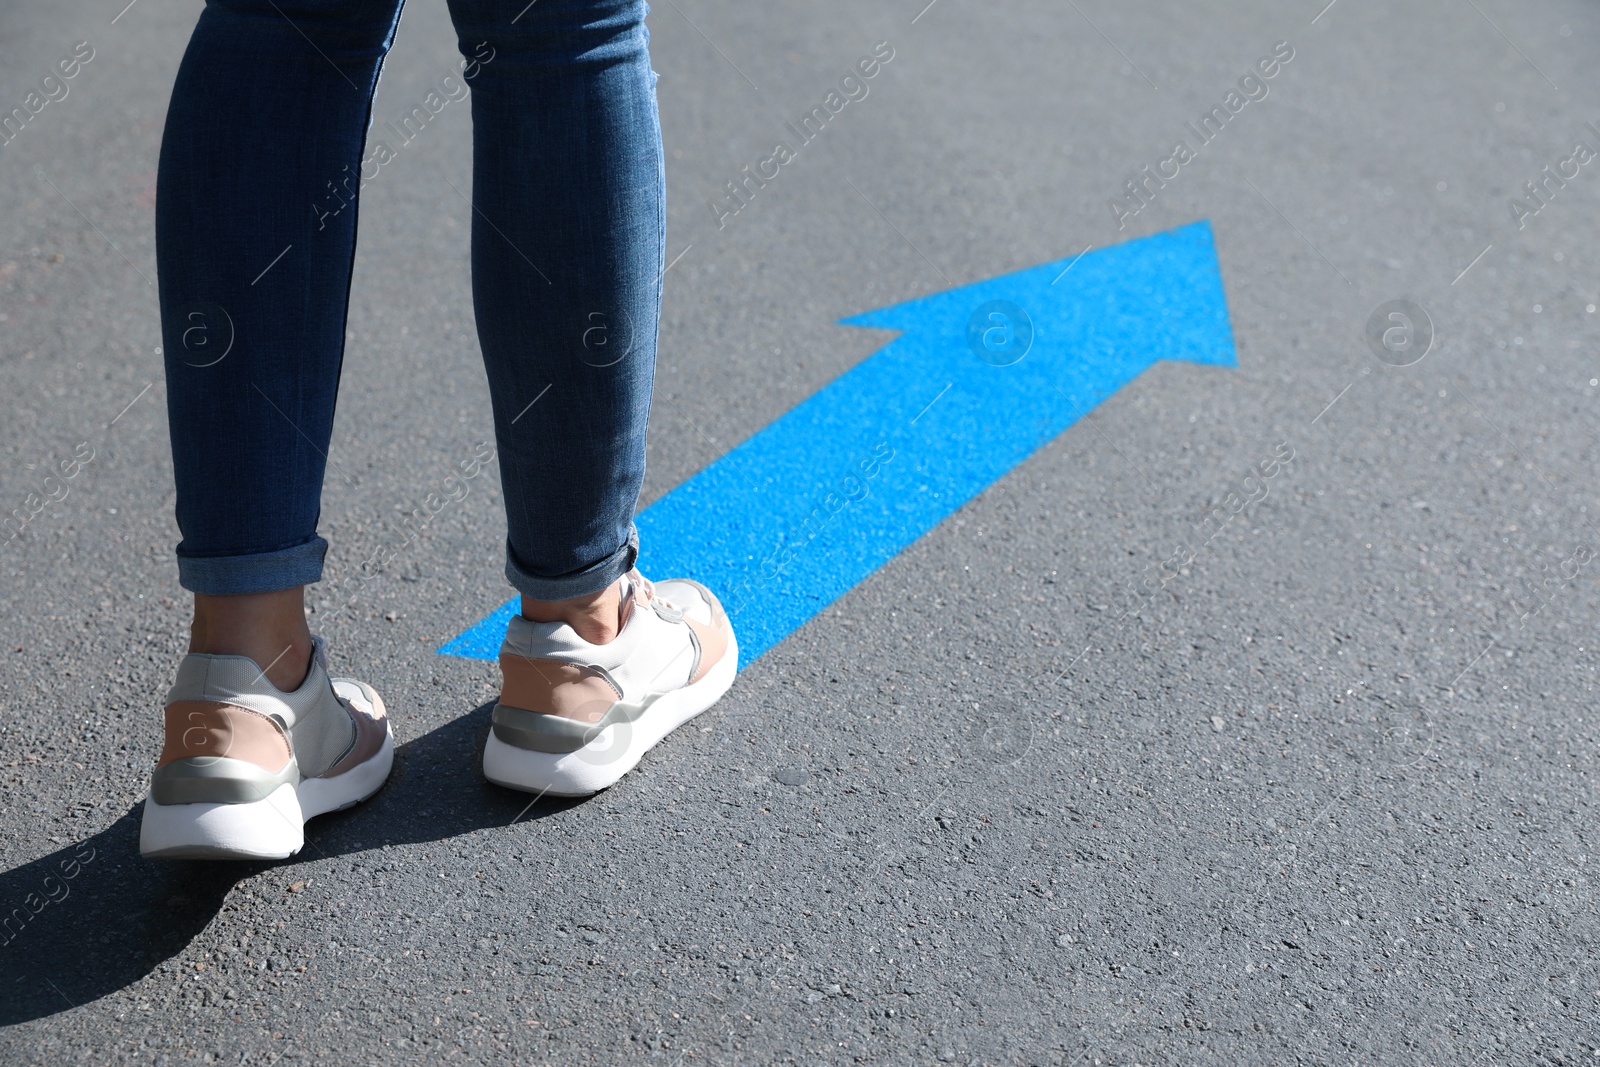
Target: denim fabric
[266, 143]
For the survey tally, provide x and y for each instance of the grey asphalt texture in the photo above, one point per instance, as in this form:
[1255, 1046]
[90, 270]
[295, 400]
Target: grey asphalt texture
[1043, 789]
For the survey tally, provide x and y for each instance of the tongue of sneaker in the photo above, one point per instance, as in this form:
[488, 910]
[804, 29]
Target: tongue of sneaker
[625, 605]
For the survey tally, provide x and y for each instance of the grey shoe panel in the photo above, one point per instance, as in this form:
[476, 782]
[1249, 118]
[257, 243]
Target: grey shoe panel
[537, 732]
[217, 780]
[349, 689]
[323, 730]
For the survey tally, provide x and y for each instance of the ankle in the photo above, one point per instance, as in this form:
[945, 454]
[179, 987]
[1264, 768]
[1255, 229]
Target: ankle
[595, 617]
[268, 628]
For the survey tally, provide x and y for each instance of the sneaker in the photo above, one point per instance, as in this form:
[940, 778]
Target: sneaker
[574, 717]
[245, 765]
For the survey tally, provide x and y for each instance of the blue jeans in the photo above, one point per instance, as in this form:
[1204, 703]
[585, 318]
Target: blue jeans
[266, 147]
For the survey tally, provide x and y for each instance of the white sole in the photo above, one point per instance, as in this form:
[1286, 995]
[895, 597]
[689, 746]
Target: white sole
[269, 829]
[616, 750]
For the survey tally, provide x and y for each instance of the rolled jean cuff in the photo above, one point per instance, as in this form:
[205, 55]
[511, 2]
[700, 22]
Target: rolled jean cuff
[262, 572]
[579, 583]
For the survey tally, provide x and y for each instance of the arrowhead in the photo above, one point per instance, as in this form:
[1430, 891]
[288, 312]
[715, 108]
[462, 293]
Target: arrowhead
[1158, 296]
[810, 505]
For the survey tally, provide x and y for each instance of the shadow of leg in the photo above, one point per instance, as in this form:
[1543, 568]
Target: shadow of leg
[95, 917]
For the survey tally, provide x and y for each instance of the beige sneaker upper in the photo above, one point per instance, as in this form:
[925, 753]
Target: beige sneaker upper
[224, 706]
[672, 633]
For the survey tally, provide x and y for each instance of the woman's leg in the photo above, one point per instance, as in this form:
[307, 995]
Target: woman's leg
[255, 239]
[267, 118]
[567, 262]
[567, 256]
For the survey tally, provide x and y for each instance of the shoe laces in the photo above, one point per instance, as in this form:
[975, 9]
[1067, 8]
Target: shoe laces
[649, 589]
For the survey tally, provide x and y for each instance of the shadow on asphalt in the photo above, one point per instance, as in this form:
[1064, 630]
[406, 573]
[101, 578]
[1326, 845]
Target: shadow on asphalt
[94, 917]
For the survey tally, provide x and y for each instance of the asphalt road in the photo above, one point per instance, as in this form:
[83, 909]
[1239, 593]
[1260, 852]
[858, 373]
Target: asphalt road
[1032, 792]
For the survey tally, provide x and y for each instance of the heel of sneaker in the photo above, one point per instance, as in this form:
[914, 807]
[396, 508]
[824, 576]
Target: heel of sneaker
[268, 829]
[583, 773]
[614, 751]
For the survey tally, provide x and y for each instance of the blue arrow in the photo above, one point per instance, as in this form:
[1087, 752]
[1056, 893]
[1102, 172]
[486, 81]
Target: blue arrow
[981, 377]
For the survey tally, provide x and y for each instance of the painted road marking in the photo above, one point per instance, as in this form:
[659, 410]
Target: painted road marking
[980, 378]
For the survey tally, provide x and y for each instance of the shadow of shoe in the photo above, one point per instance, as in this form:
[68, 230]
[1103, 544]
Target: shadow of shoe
[94, 916]
[437, 790]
